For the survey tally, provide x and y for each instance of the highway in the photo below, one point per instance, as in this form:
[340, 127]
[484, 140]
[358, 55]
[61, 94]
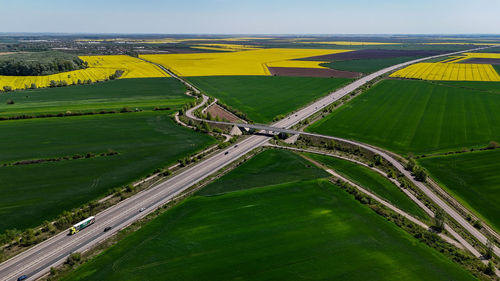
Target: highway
[37, 260]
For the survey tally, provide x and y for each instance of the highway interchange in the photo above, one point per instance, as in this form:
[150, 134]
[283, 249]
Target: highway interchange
[38, 260]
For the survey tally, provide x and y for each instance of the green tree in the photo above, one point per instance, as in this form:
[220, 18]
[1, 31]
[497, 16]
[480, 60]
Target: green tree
[489, 249]
[331, 144]
[420, 174]
[439, 220]
[410, 165]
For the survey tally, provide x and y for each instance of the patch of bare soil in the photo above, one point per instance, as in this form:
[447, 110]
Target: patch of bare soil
[217, 111]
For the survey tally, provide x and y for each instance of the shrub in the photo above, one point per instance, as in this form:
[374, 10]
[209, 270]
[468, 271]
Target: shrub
[493, 145]
[10, 102]
[477, 224]
[73, 259]
[490, 268]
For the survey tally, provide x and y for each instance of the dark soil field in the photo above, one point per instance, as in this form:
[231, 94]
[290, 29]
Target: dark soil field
[312, 72]
[482, 61]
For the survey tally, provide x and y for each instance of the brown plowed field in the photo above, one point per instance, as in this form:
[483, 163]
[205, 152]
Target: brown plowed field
[481, 61]
[312, 72]
[216, 110]
[375, 54]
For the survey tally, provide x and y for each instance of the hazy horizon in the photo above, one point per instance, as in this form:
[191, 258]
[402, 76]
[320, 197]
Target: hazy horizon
[225, 17]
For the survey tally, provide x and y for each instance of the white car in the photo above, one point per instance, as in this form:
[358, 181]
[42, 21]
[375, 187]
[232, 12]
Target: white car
[142, 209]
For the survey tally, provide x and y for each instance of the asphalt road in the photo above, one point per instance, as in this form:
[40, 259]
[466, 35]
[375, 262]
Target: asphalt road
[37, 260]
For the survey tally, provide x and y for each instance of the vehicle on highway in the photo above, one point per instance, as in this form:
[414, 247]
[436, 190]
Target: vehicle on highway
[236, 146]
[225, 153]
[22, 277]
[108, 228]
[81, 225]
[142, 209]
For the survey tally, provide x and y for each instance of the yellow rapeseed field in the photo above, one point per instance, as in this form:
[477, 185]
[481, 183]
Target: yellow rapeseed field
[132, 67]
[449, 69]
[449, 72]
[252, 62]
[483, 55]
[100, 68]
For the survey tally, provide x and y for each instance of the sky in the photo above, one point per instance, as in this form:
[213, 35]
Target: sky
[252, 16]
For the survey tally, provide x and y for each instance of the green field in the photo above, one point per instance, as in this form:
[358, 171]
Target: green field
[497, 68]
[416, 116]
[291, 231]
[492, 87]
[267, 168]
[372, 181]
[366, 65]
[111, 95]
[473, 179]
[32, 193]
[264, 97]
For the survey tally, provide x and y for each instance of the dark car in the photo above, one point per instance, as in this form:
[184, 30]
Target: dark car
[225, 153]
[23, 277]
[108, 228]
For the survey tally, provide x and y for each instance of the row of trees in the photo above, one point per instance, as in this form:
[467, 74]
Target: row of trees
[36, 68]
